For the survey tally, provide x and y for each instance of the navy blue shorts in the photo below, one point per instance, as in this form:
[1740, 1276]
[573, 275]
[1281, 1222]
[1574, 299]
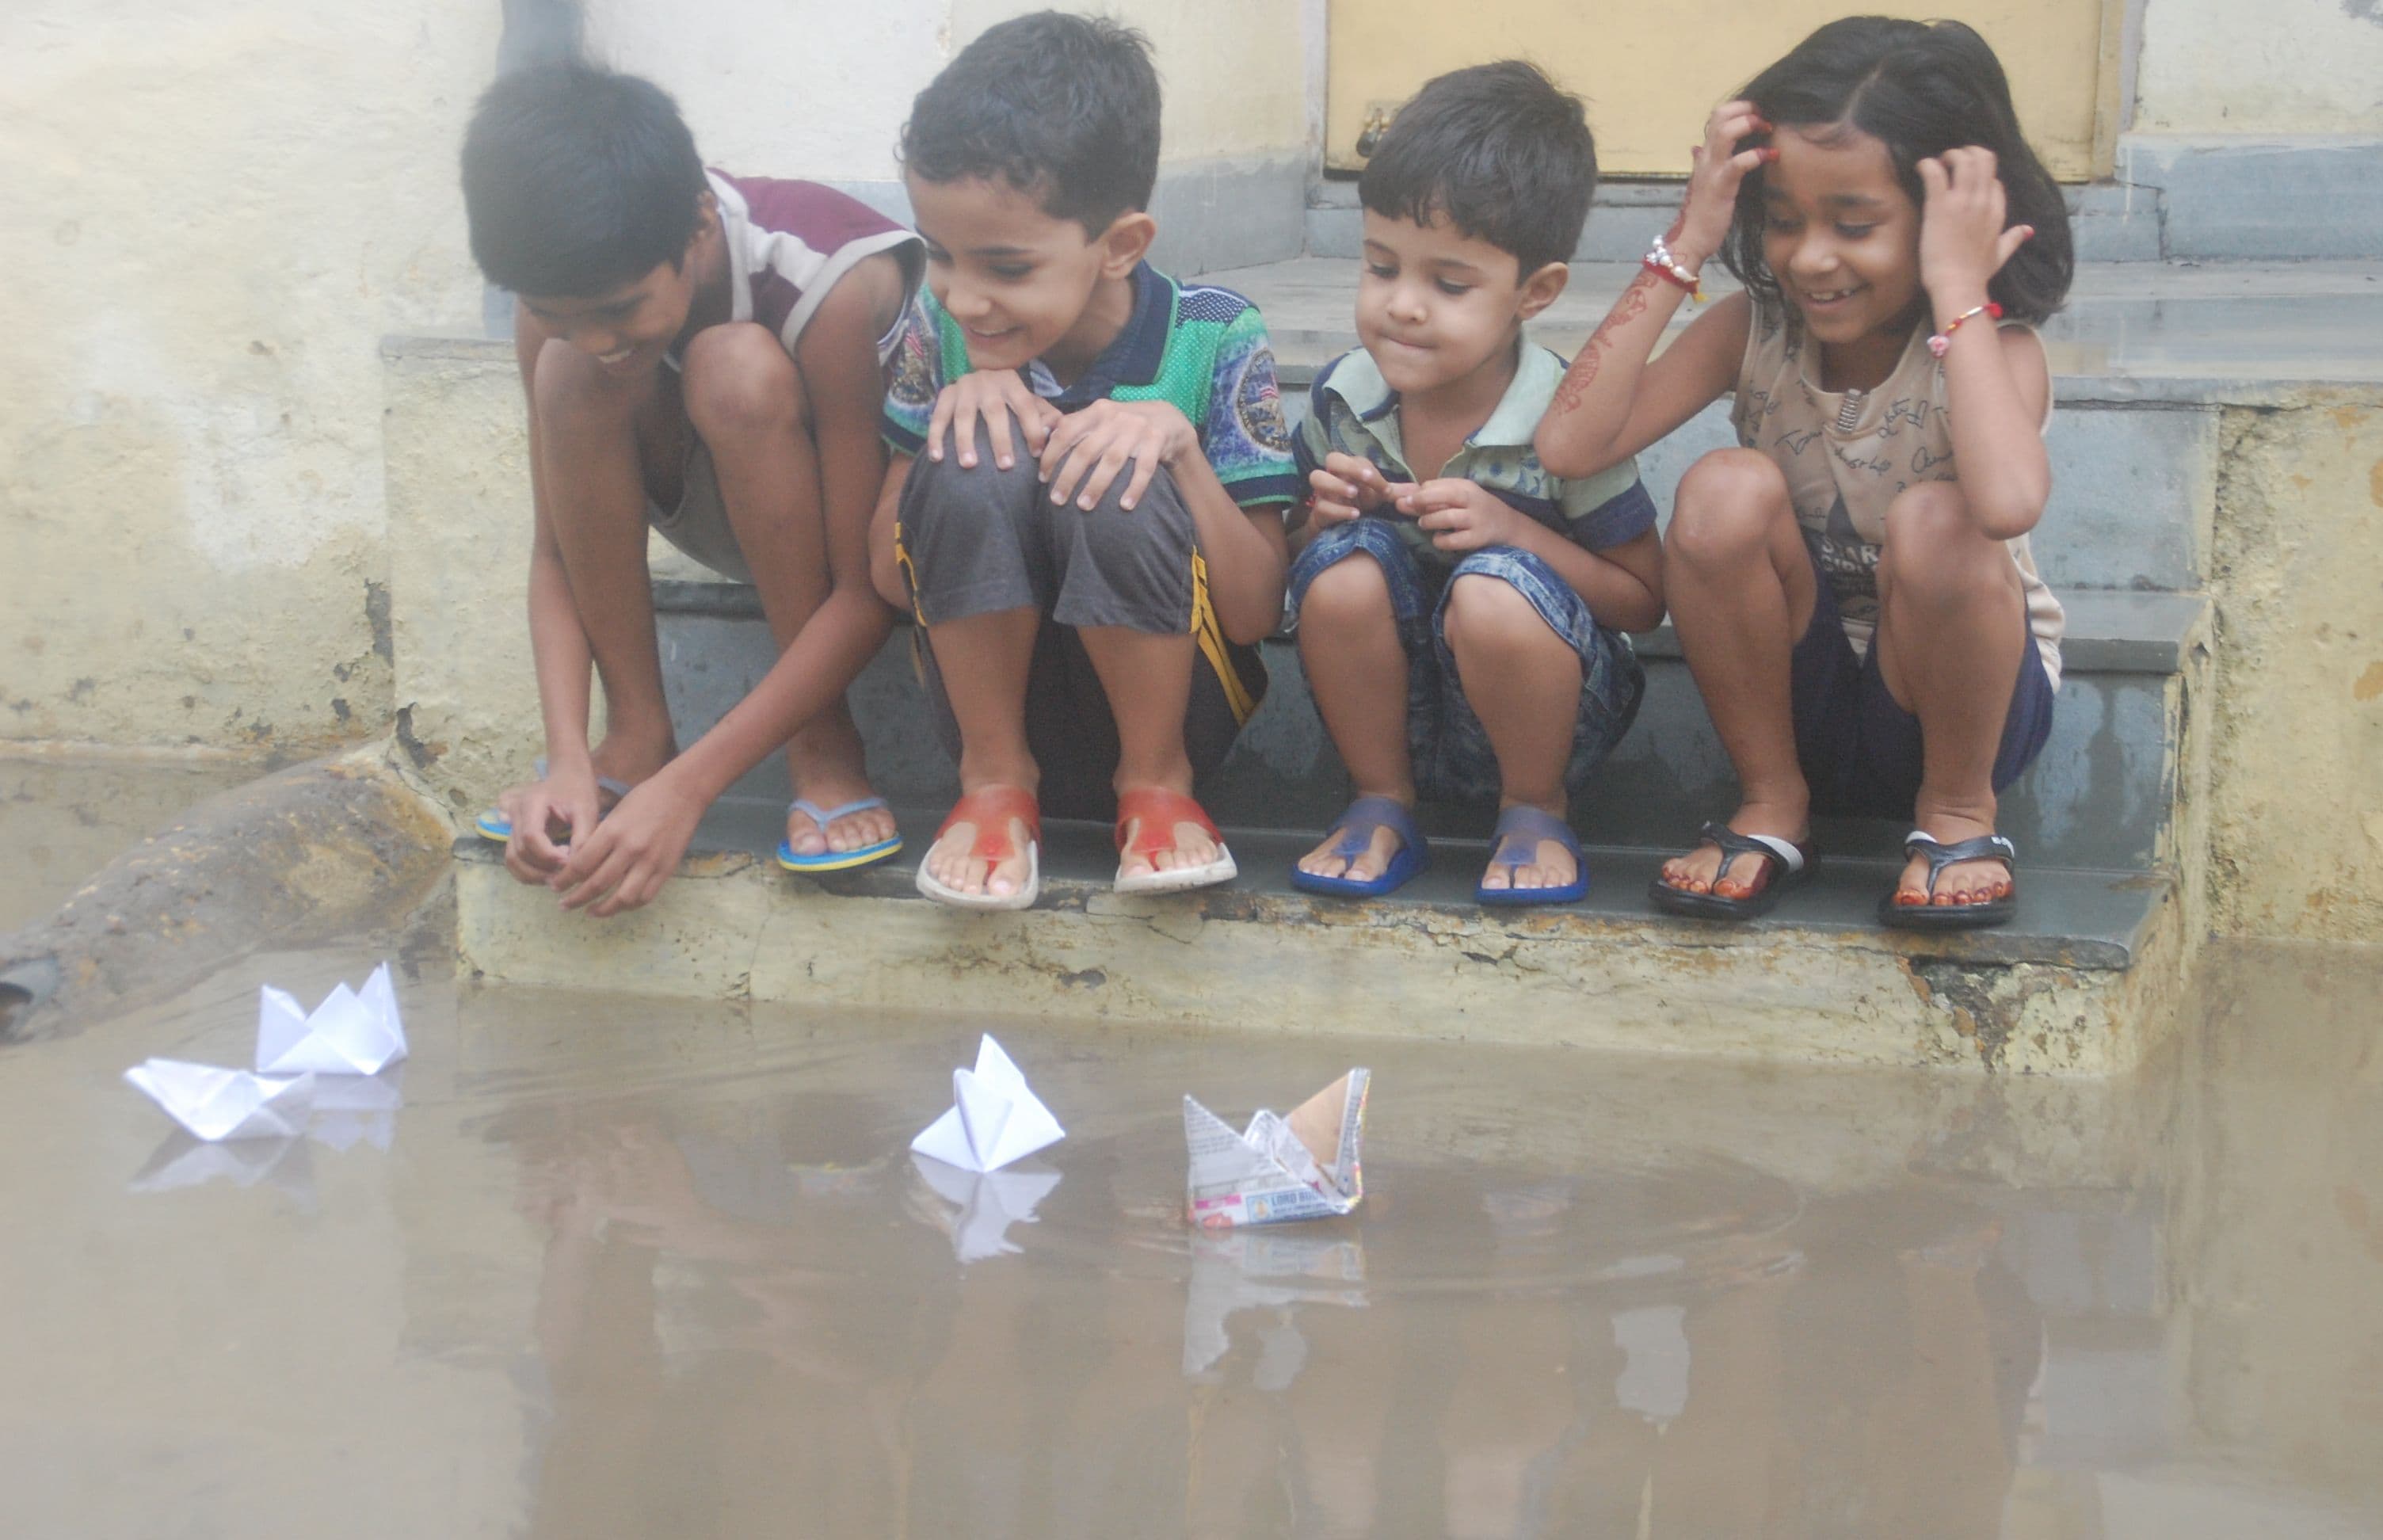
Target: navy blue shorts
[1453, 761]
[1860, 751]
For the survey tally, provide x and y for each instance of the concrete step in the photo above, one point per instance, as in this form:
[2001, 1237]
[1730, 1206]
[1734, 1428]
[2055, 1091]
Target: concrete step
[2083, 983]
[2102, 795]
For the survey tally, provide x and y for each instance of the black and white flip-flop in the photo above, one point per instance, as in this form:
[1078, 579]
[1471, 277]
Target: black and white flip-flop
[1932, 915]
[1791, 865]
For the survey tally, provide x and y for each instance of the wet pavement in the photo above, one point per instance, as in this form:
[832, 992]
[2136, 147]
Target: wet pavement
[621, 1267]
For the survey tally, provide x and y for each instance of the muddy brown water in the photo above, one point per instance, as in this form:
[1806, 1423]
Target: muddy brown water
[618, 1267]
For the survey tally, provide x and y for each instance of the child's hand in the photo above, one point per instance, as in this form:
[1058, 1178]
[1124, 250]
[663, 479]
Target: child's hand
[1720, 167]
[1963, 242]
[1462, 515]
[1088, 448]
[980, 397]
[566, 796]
[1346, 487]
[622, 862]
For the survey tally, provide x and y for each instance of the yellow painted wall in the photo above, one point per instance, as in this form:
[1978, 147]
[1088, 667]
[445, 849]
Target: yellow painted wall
[212, 214]
[1650, 75]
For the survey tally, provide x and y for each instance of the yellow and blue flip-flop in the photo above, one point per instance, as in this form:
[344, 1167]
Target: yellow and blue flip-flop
[836, 860]
[494, 825]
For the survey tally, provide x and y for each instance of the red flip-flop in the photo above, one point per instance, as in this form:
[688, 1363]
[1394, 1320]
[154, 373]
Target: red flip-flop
[1158, 810]
[990, 810]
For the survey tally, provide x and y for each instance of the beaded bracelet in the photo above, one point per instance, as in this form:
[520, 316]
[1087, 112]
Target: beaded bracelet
[1942, 342]
[1663, 264]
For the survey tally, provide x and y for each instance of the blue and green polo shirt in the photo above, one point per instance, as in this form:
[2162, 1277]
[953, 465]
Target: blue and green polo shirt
[1201, 348]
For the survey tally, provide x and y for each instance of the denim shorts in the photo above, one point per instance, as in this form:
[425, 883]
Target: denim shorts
[1860, 751]
[1453, 761]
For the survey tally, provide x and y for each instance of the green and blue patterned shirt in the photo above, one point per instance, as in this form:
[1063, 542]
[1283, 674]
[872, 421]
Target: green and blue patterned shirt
[1201, 348]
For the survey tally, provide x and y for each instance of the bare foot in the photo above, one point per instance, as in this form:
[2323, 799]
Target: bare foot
[1963, 882]
[1700, 870]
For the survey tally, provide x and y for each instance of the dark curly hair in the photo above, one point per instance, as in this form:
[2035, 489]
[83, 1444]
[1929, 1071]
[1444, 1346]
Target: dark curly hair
[1920, 88]
[1499, 152]
[1063, 107]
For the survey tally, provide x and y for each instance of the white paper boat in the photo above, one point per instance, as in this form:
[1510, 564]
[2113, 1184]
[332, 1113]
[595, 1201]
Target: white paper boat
[994, 1120]
[352, 1032]
[217, 1104]
[985, 1203]
[1303, 1166]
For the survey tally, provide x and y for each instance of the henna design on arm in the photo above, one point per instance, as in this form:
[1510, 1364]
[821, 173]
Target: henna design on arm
[1583, 372]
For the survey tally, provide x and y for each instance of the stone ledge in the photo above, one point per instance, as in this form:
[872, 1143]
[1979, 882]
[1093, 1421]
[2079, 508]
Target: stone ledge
[1823, 984]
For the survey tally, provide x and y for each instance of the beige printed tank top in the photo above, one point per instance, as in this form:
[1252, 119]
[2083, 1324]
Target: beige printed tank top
[1846, 453]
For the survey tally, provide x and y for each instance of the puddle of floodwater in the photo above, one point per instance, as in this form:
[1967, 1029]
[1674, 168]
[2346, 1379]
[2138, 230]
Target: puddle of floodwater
[622, 1267]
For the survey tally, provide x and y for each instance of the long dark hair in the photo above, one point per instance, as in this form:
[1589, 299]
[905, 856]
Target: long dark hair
[1920, 88]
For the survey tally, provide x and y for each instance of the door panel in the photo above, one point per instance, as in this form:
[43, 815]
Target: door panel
[1652, 70]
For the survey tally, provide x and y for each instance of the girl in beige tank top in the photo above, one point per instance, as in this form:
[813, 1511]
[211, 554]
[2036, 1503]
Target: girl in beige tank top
[1898, 242]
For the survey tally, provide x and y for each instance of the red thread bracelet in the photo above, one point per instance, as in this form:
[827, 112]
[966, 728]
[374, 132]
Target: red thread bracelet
[1942, 342]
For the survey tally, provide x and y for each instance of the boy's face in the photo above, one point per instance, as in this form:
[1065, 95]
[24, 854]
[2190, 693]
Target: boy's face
[1435, 307]
[627, 329]
[1020, 281]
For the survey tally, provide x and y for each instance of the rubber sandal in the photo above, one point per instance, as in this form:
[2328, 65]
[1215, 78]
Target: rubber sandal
[990, 810]
[1356, 826]
[1159, 810]
[1932, 915]
[1516, 824]
[836, 860]
[1791, 865]
[494, 825]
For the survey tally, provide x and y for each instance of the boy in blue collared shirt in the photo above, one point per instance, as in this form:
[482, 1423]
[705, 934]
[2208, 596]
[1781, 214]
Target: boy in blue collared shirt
[1479, 652]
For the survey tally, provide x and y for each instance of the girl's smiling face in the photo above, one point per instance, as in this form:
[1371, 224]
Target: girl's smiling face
[1842, 237]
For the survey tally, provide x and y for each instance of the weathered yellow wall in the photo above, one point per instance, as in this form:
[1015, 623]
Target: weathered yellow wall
[2296, 817]
[214, 213]
[2265, 67]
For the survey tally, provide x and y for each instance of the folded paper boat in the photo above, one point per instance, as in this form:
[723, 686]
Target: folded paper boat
[995, 1118]
[352, 1032]
[1305, 1166]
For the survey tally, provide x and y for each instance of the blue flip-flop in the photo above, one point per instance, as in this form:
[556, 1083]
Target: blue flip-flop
[494, 825]
[1355, 826]
[1516, 840]
[836, 860]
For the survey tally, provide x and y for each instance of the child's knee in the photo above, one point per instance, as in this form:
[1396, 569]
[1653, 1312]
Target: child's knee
[1352, 590]
[573, 396]
[739, 381]
[1932, 547]
[1727, 505]
[1488, 618]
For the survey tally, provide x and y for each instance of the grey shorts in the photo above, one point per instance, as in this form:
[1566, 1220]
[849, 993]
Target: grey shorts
[979, 540]
[698, 525]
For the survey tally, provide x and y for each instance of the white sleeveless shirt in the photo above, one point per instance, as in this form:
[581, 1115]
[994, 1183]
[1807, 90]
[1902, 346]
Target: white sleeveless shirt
[1847, 453]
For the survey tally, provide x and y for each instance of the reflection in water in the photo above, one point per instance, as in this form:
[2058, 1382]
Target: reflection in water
[635, 1269]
